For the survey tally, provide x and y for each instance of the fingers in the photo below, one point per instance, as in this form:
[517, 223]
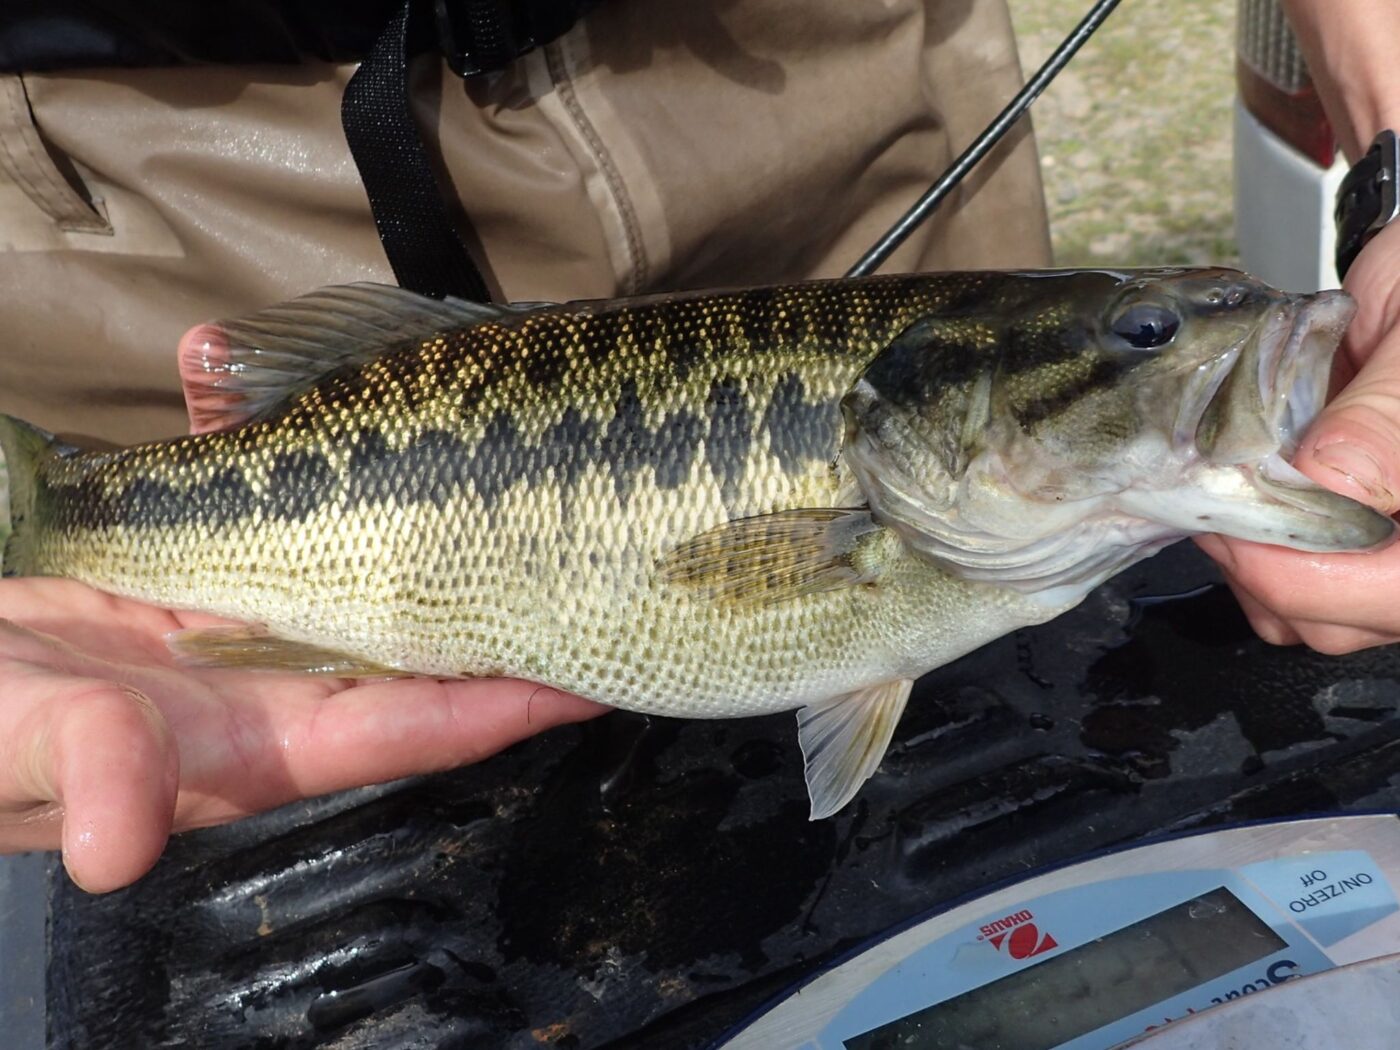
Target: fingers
[1354, 447]
[1372, 280]
[1272, 629]
[116, 772]
[1332, 640]
[1340, 603]
[90, 763]
[1333, 604]
[203, 361]
[95, 623]
[86, 765]
[385, 730]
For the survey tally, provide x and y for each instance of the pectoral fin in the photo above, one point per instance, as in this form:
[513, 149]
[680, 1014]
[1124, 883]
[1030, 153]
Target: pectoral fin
[256, 649]
[775, 557]
[844, 739]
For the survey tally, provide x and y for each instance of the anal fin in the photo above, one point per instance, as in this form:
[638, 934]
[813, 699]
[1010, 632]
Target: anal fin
[844, 739]
[257, 649]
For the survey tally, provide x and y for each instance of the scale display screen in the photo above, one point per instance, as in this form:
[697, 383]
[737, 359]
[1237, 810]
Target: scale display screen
[1101, 981]
[1091, 955]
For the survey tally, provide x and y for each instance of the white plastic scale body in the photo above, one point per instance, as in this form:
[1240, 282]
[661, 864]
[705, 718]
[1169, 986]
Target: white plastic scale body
[1089, 956]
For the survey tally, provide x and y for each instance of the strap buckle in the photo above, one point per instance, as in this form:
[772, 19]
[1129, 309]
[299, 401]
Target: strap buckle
[483, 36]
[1368, 198]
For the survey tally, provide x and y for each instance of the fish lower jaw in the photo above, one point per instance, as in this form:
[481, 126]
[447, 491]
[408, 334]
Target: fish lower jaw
[1268, 501]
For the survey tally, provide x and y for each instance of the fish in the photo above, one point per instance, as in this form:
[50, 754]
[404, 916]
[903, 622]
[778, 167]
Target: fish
[704, 504]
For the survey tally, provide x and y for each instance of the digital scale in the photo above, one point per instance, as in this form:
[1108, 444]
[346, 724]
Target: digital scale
[1099, 953]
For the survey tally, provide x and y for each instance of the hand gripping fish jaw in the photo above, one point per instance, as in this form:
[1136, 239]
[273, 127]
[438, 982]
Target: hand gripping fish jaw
[1150, 407]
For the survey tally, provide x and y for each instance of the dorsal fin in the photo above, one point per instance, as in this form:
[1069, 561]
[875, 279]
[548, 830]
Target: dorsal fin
[233, 370]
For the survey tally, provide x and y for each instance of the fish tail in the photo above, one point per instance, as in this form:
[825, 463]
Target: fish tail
[25, 447]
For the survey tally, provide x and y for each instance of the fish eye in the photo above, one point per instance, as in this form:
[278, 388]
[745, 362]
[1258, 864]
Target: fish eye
[1144, 326]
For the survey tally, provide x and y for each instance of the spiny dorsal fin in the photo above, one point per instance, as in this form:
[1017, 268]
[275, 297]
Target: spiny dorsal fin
[233, 370]
[252, 648]
[775, 557]
[844, 739]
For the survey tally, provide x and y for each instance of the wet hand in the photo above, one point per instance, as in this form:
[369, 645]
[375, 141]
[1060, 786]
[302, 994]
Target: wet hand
[1338, 603]
[106, 746]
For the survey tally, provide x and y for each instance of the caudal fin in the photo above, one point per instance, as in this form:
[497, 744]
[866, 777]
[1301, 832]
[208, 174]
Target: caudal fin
[25, 447]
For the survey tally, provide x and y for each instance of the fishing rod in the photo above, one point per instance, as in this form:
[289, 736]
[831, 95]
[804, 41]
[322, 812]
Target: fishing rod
[982, 145]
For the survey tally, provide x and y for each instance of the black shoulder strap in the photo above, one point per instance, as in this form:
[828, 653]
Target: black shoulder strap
[419, 238]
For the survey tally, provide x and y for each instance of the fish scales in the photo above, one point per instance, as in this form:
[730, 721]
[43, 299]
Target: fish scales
[496, 500]
[707, 504]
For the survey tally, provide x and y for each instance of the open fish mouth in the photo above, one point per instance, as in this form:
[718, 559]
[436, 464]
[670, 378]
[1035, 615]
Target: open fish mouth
[1294, 369]
[1245, 414]
[1255, 401]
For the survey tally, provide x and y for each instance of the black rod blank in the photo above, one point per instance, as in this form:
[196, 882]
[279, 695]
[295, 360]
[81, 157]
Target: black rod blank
[984, 142]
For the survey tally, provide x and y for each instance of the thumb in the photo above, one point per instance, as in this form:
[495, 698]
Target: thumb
[86, 763]
[1354, 445]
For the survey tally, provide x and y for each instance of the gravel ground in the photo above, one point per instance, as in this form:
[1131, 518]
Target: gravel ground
[1134, 135]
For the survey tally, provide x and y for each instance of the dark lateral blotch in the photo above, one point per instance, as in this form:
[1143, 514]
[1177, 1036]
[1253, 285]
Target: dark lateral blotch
[799, 430]
[729, 437]
[629, 445]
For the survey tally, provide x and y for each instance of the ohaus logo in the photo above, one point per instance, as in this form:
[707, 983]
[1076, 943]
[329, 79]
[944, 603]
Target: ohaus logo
[1017, 935]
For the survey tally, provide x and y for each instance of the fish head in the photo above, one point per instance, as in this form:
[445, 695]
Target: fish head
[1073, 422]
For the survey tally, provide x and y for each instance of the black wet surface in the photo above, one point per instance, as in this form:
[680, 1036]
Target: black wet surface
[635, 883]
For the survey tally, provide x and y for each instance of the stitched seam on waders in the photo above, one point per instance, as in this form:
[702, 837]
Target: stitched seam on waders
[34, 171]
[617, 188]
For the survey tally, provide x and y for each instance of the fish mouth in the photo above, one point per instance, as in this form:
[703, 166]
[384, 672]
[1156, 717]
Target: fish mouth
[1295, 366]
[1257, 399]
[1246, 412]
[1293, 370]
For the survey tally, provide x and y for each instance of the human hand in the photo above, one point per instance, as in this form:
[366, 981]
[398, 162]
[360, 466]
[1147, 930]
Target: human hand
[106, 746]
[1338, 603]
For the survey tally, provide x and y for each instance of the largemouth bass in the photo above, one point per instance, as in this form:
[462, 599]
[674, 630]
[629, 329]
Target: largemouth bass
[708, 505]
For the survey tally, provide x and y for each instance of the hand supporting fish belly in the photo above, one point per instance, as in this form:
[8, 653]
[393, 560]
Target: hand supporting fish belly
[709, 504]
